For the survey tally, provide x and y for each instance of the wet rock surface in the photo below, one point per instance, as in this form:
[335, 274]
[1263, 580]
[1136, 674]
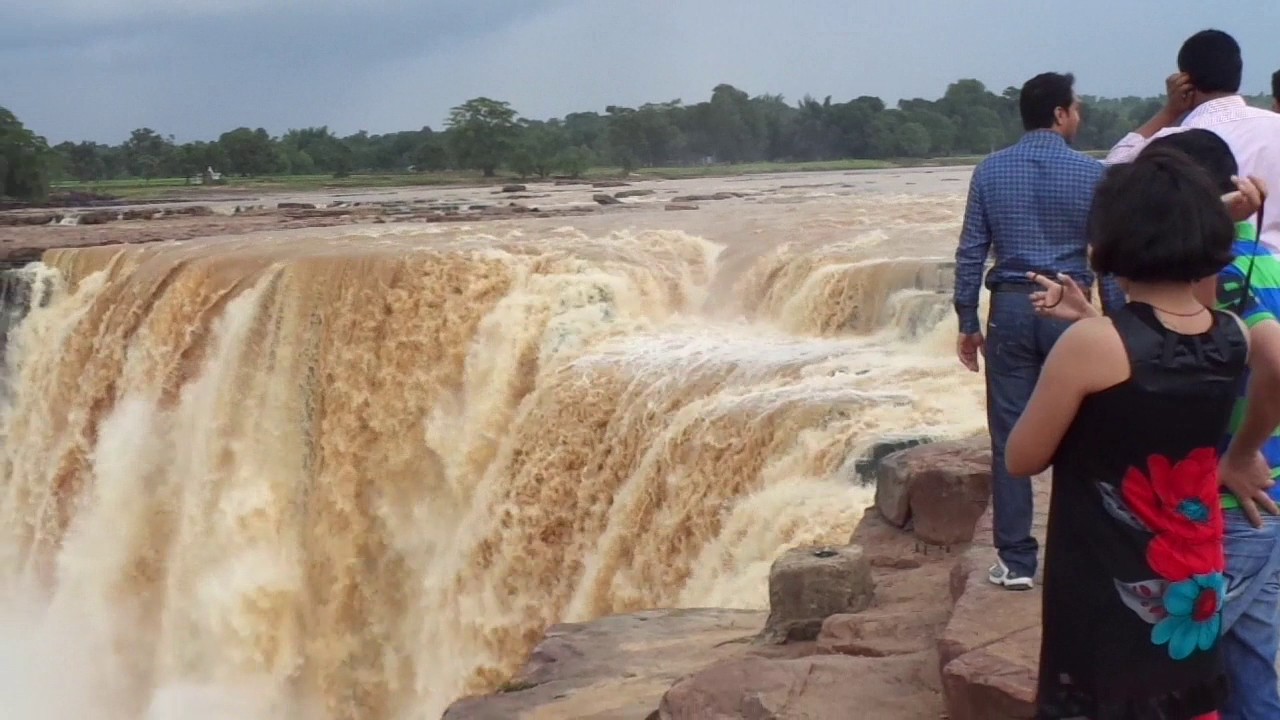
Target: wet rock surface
[868, 466]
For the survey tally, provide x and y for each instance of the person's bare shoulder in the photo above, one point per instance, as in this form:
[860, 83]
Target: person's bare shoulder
[1091, 354]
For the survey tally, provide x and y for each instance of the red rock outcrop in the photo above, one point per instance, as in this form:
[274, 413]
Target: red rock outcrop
[614, 667]
[940, 489]
[808, 585]
[820, 686]
[989, 651]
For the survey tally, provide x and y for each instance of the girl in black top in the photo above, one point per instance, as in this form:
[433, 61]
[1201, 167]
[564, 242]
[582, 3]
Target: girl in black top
[1129, 410]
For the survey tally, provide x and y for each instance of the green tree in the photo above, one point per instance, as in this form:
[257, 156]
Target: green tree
[643, 137]
[430, 154]
[538, 148]
[249, 152]
[85, 161]
[586, 129]
[941, 129]
[195, 157]
[575, 161]
[778, 123]
[856, 124]
[912, 140]
[24, 161]
[327, 153]
[730, 126]
[297, 162]
[148, 154]
[398, 151]
[815, 135]
[734, 124]
[482, 133]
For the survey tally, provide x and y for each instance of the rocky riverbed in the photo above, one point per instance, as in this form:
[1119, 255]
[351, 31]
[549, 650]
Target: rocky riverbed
[26, 232]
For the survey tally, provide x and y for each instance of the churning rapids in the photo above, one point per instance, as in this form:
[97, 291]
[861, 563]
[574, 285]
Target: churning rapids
[354, 473]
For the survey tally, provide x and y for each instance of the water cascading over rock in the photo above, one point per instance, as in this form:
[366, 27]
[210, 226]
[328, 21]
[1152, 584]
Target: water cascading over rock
[22, 288]
[355, 477]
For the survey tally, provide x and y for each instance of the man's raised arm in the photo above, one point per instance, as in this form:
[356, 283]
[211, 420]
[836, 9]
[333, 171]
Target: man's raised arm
[1177, 102]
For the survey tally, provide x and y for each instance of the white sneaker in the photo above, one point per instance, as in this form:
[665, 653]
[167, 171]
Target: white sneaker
[1001, 575]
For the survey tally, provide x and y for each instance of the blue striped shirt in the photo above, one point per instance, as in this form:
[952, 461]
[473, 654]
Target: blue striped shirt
[1262, 304]
[1028, 206]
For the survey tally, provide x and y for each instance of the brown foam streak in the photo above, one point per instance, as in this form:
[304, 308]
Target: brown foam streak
[602, 418]
[671, 528]
[240, 438]
[368, 432]
[826, 291]
[142, 305]
[716, 455]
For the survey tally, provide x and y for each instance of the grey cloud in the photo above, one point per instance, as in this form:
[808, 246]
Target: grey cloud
[95, 69]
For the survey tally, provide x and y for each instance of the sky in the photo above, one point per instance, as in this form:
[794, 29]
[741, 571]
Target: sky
[96, 69]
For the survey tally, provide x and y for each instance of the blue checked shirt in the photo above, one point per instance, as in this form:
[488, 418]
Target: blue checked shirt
[1029, 206]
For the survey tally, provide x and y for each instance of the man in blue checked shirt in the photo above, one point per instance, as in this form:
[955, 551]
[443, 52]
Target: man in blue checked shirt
[1028, 206]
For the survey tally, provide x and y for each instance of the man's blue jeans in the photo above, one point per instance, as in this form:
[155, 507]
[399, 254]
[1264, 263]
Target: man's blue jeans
[1251, 628]
[1018, 341]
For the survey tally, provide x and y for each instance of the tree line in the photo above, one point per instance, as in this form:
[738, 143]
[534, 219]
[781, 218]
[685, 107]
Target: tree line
[489, 135]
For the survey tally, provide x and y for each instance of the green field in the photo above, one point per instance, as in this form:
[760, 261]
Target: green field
[156, 188]
[136, 189]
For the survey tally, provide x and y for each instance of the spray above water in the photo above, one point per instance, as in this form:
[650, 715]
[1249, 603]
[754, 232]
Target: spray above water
[356, 477]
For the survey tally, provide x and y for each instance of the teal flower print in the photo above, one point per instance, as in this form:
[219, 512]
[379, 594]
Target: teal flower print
[1194, 619]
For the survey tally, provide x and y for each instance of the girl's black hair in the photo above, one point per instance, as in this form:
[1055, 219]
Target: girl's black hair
[1160, 219]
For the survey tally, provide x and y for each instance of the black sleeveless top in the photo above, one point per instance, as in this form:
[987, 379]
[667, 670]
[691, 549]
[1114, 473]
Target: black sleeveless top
[1133, 584]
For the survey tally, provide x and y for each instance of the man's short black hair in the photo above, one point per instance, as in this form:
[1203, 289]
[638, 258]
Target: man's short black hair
[1212, 59]
[1159, 219]
[1042, 95]
[1206, 149]
[1275, 86]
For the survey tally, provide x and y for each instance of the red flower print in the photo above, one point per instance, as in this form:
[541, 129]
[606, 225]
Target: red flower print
[1180, 499]
[1179, 504]
[1175, 559]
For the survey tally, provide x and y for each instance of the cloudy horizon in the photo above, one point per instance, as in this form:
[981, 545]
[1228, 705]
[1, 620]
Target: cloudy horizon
[96, 69]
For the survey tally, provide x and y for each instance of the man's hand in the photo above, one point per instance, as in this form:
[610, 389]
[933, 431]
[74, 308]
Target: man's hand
[1178, 93]
[967, 349]
[1061, 300]
[1246, 199]
[1248, 479]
